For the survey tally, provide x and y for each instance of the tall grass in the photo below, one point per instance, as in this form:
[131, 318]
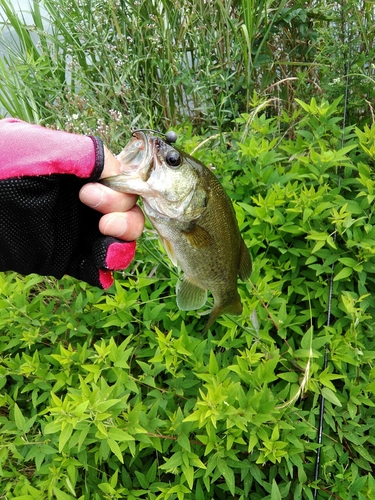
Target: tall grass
[106, 66]
[158, 62]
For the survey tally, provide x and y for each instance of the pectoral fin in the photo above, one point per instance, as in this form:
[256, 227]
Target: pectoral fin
[198, 237]
[190, 296]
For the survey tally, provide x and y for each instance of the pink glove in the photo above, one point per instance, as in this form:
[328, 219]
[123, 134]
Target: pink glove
[44, 228]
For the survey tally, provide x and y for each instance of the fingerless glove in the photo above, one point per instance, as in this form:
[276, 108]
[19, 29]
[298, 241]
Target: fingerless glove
[44, 227]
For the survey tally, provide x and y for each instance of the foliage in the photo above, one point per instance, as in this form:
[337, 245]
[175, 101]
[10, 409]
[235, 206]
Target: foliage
[117, 395]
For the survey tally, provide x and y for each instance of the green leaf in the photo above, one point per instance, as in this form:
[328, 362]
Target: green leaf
[343, 274]
[213, 366]
[228, 475]
[325, 378]
[330, 396]
[195, 461]
[188, 472]
[115, 449]
[119, 435]
[199, 493]
[66, 432]
[289, 376]
[275, 492]
[173, 462]
[319, 244]
[114, 479]
[151, 473]
[348, 262]
[307, 340]
[361, 450]
[308, 108]
[142, 480]
[20, 420]
[82, 436]
[184, 442]
[107, 488]
[60, 495]
[103, 406]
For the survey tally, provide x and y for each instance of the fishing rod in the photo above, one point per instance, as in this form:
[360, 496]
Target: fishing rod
[345, 38]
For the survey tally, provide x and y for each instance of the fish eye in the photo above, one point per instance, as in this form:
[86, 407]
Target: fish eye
[173, 158]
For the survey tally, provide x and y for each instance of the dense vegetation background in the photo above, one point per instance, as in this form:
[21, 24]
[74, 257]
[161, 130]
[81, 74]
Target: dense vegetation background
[116, 395]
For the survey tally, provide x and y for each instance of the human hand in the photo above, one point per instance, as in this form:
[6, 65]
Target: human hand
[44, 226]
[122, 218]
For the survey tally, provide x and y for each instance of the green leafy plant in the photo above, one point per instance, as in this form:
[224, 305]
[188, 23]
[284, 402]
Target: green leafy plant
[117, 395]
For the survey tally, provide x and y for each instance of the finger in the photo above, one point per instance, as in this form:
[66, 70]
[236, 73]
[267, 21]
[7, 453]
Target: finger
[126, 226]
[111, 164]
[105, 199]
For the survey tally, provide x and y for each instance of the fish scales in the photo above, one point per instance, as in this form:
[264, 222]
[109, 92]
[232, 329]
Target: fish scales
[195, 219]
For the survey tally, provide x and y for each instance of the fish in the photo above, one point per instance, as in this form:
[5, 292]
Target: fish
[194, 217]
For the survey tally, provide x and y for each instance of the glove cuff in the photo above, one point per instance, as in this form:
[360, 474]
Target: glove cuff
[108, 254]
[113, 254]
[99, 158]
[120, 254]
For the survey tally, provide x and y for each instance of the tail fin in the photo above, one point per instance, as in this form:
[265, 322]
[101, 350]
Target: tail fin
[234, 307]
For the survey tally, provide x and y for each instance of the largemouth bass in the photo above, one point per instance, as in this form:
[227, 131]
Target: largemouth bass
[194, 217]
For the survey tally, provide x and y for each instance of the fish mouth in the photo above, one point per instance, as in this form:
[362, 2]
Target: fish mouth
[137, 154]
[141, 155]
[138, 159]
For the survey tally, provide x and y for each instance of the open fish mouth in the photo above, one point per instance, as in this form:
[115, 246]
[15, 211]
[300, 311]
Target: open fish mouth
[136, 159]
[137, 154]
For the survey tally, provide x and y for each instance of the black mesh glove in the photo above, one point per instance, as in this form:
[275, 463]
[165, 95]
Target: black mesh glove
[44, 227]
